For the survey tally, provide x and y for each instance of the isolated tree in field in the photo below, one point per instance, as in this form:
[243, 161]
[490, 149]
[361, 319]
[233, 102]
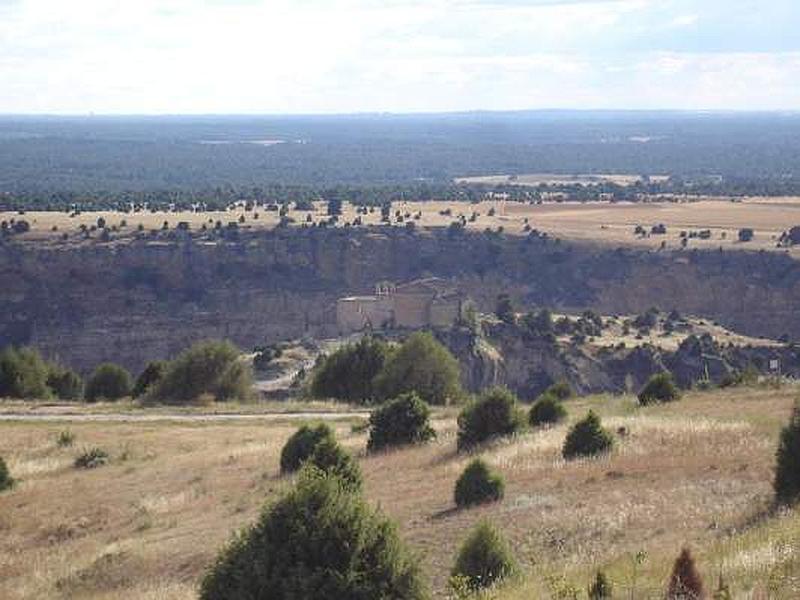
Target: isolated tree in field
[6, 481]
[213, 367]
[108, 382]
[349, 373]
[319, 540]
[660, 388]
[787, 470]
[587, 438]
[424, 366]
[484, 559]
[300, 446]
[65, 383]
[404, 420]
[152, 374]
[495, 414]
[685, 582]
[478, 484]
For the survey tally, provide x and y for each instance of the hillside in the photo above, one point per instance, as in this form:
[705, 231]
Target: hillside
[695, 472]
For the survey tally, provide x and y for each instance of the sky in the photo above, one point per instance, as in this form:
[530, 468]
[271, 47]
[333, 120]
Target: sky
[321, 56]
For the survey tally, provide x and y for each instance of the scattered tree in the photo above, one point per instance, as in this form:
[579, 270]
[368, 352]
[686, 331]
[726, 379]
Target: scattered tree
[495, 414]
[587, 438]
[685, 582]
[317, 541]
[152, 374]
[23, 374]
[424, 366]
[660, 388]
[600, 588]
[405, 420]
[300, 446]
[746, 234]
[108, 382]
[787, 470]
[65, 383]
[6, 481]
[330, 458]
[505, 309]
[349, 373]
[478, 484]
[484, 559]
[548, 409]
[213, 368]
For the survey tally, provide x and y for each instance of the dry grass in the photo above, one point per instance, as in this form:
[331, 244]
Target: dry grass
[698, 472]
[600, 222]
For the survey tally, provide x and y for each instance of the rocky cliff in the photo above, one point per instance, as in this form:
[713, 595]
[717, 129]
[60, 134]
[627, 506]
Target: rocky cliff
[147, 299]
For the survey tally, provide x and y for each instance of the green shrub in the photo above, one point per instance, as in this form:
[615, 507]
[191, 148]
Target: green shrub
[484, 559]
[478, 484]
[6, 481]
[330, 458]
[349, 373]
[212, 368]
[65, 383]
[547, 409]
[92, 458]
[108, 382]
[587, 438]
[787, 470]
[424, 366]
[402, 421]
[660, 388]
[317, 541]
[300, 446]
[23, 374]
[152, 374]
[600, 588]
[561, 390]
[495, 414]
[65, 438]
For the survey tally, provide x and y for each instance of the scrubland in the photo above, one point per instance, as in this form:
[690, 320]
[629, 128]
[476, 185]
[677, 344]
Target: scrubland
[697, 472]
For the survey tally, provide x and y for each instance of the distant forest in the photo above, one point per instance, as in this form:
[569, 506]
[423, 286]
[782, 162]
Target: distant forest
[55, 162]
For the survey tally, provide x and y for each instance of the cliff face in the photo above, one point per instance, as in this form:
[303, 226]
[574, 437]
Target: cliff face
[144, 300]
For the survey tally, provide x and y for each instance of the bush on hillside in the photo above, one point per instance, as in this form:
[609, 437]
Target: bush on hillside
[546, 410]
[405, 420]
[300, 446]
[152, 374]
[108, 382]
[561, 390]
[587, 438]
[317, 541]
[349, 373]
[6, 481]
[685, 582]
[787, 470]
[23, 374]
[600, 588]
[330, 458]
[505, 309]
[495, 414]
[212, 368]
[424, 366]
[484, 559]
[660, 388]
[478, 484]
[65, 383]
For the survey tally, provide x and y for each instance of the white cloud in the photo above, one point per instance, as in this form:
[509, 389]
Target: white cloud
[172, 56]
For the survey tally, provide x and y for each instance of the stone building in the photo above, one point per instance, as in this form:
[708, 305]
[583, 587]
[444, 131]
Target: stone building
[430, 302]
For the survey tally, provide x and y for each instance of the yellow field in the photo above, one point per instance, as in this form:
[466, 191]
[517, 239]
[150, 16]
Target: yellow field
[601, 222]
[147, 525]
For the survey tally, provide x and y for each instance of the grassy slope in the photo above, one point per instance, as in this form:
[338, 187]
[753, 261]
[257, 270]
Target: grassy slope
[696, 472]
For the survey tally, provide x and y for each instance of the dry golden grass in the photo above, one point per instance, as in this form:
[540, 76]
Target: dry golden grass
[146, 526]
[599, 222]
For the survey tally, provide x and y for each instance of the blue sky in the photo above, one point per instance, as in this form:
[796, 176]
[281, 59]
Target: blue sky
[318, 56]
